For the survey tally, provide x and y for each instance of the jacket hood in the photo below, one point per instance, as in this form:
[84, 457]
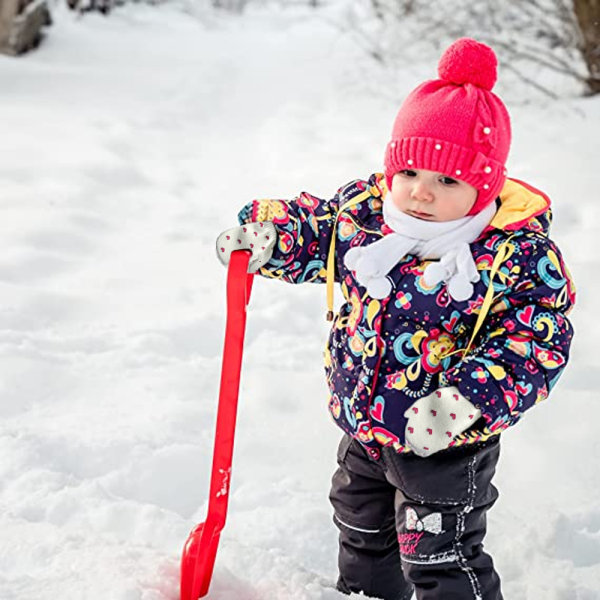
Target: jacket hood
[522, 207]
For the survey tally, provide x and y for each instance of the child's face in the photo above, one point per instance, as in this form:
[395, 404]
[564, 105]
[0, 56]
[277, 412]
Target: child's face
[432, 196]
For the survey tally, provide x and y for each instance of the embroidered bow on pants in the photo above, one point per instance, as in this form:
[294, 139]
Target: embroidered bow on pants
[415, 524]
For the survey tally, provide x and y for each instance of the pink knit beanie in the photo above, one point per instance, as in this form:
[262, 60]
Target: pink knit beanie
[455, 125]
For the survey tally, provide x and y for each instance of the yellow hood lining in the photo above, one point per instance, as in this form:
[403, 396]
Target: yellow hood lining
[518, 203]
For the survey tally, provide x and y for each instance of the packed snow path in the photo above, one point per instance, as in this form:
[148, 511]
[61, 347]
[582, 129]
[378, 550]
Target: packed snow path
[128, 144]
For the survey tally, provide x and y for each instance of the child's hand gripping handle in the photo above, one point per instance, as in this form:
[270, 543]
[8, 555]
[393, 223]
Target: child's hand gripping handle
[258, 238]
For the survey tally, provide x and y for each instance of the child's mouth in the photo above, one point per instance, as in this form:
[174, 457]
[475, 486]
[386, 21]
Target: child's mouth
[420, 215]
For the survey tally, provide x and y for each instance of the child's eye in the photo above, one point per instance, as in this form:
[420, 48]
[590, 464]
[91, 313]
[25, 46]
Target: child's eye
[408, 173]
[448, 180]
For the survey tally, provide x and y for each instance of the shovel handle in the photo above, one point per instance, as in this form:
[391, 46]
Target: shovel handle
[239, 282]
[239, 287]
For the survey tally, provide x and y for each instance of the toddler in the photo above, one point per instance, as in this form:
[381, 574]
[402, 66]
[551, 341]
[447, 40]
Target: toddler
[454, 324]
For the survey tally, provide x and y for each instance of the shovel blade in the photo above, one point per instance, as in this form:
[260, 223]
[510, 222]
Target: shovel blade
[197, 562]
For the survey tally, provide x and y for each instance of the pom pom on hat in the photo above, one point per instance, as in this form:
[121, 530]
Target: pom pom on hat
[469, 61]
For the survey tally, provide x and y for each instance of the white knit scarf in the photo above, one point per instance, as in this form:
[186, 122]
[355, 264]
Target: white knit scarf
[447, 240]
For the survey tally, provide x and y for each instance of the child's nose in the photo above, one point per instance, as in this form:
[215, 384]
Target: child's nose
[422, 192]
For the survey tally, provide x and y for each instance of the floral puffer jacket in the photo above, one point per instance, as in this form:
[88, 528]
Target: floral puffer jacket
[383, 355]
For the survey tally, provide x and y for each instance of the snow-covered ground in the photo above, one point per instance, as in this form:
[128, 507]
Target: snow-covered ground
[127, 145]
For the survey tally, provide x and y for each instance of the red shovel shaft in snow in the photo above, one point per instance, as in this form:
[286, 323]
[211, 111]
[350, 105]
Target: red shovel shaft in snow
[200, 548]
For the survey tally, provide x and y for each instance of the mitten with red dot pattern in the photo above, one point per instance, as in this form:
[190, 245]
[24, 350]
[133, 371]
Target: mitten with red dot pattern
[435, 420]
[260, 238]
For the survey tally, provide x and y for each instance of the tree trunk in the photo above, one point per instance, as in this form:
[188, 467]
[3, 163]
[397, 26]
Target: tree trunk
[21, 23]
[9, 9]
[587, 13]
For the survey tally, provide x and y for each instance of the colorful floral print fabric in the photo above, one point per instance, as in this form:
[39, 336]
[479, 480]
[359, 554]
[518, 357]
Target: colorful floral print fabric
[383, 355]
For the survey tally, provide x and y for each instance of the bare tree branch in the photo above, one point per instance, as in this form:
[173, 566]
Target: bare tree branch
[531, 82]
[543, 33]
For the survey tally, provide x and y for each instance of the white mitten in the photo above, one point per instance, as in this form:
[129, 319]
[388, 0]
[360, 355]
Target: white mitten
[260, 238]
[435, 420]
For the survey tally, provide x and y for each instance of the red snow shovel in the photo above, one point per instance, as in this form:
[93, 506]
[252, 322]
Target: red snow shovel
[200, 549]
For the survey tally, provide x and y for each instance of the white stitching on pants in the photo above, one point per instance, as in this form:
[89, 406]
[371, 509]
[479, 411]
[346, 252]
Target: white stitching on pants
[460, 530]
[355, 528]
[433, 559]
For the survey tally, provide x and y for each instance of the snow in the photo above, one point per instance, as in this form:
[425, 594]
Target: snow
[128, 144]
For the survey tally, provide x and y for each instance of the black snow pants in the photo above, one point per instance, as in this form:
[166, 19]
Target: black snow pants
[409, 524]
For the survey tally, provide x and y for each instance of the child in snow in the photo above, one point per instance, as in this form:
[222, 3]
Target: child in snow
[454, 324]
